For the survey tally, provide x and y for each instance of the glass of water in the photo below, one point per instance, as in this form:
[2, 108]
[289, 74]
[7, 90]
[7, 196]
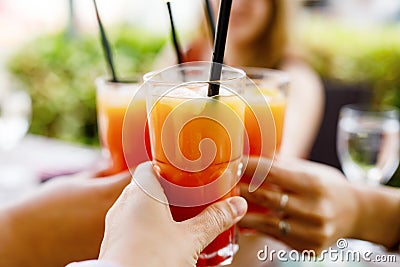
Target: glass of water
[15, 114]
[368, 143]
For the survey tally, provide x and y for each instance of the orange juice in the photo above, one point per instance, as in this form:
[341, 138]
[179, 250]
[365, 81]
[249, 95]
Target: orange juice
[113, 100]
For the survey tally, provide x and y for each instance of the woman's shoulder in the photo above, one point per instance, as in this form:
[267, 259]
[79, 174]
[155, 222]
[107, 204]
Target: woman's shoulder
[294, 61]
[298, 68]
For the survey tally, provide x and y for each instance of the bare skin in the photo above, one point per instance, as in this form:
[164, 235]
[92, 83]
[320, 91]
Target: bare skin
[60, 222]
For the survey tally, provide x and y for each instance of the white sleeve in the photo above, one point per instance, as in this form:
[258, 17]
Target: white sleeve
[93, 263]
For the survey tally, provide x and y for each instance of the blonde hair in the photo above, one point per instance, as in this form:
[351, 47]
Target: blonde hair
[273, 44]
[274, 40]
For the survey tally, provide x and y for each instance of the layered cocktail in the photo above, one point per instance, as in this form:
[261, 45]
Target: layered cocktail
[113, 103]
[266, 95]
[197, 143]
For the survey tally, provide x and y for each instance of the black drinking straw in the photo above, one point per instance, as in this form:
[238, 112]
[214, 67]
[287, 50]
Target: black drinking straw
[210, 19]
[106, 45]
[173, 34]
[219, 46]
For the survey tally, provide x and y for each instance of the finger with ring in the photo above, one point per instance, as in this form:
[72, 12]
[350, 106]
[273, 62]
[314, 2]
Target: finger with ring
[283, 201]
[284, 227]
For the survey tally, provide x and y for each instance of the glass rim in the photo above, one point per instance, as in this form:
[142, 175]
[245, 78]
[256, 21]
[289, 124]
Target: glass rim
[107, 80]
[280, 75]
[165, 95]
[193, 65]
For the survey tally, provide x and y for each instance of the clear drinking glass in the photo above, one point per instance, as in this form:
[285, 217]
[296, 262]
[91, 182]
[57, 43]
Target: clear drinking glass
[15, 115]
[368, 143]
[197, 143]
[266, 94]
[113, 103]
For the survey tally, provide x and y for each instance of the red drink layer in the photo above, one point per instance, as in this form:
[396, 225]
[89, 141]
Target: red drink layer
[223, 246]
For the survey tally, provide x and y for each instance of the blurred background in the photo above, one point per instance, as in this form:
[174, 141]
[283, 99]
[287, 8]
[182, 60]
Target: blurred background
[51, 50]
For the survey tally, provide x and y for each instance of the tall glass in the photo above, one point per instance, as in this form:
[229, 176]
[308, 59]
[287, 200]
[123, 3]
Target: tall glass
[368, 143]
[113, 102]
[15, 115]
[266, 94]
[197, 143]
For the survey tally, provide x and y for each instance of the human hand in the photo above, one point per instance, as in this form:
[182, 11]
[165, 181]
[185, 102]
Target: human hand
[320, 207]
[62, 221]
[140, 230]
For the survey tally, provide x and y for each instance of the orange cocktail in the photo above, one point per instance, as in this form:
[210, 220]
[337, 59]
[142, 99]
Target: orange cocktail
[113, 100]
[197, 144]
[265, 114]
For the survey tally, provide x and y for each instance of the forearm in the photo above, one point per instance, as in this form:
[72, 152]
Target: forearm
[378, 215]
[10, 252]
[21, 238]
[5, 235]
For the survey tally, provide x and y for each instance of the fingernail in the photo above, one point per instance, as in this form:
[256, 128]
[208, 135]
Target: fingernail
[238, 205]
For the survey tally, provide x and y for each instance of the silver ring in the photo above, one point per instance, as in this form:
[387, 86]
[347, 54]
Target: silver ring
[283, 201]
[284, 227]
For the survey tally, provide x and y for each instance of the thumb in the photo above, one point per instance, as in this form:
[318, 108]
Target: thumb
[215, 219]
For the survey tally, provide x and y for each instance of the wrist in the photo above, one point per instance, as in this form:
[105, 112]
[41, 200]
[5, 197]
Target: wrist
[377, 215]
[358, 227]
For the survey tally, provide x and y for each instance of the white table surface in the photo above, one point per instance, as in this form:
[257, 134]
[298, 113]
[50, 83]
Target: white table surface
[38, 158]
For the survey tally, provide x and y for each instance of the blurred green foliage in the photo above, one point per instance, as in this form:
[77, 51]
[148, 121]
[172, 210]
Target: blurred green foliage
[59, 73]
[367, 54]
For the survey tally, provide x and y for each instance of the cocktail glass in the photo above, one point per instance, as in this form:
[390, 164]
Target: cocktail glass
[266, 95]
[197, 143]
[113, 102]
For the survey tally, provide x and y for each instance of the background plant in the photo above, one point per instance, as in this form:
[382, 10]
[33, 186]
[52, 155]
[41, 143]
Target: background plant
[368, 54]
[59, 72]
